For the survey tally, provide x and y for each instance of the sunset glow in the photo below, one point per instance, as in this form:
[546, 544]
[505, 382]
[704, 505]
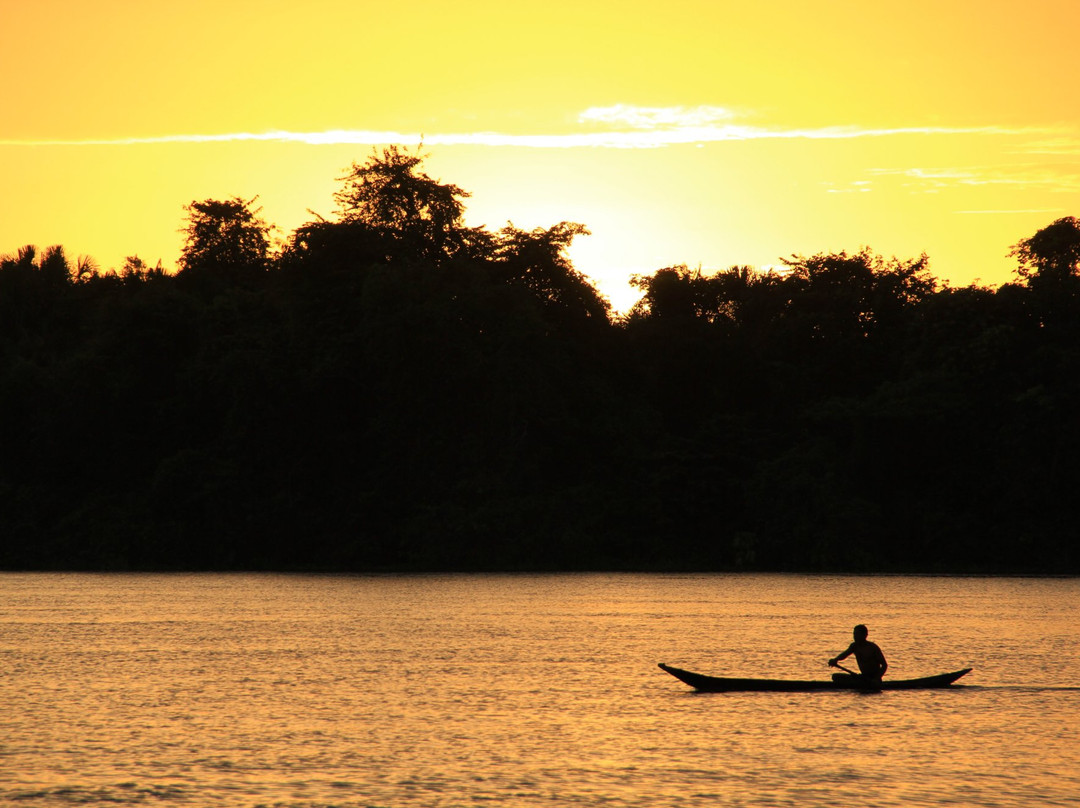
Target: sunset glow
[700, 133]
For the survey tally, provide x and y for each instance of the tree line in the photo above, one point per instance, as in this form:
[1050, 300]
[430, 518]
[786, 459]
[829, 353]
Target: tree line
[390, 389]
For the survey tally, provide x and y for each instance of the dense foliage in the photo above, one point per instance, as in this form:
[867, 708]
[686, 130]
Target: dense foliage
[394, 390]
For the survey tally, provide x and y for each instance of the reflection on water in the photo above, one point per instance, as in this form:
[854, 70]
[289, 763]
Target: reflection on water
[246, 690]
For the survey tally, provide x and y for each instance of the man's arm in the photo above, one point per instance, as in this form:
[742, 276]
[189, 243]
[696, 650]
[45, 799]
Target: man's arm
[845, 655]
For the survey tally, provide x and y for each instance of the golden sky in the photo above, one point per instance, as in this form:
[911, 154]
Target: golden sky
[711, 133]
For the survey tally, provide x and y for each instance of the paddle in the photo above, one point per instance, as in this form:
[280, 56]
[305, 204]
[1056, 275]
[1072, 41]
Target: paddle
[841, 667]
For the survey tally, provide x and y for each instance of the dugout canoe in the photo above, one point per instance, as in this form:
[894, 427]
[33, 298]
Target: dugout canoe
[839, 681]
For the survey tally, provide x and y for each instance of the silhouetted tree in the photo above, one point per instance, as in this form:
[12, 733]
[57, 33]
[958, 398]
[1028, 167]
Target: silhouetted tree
[681, 294]
[34, 291]
[1053, 253]
[391, 193]
[226, 237]
[136, 269]
[667, 294]
[327, 248]
[846, 297]
[55, 267]
[52, 266]
[537, 260]
[86, 269]
[1049, 265]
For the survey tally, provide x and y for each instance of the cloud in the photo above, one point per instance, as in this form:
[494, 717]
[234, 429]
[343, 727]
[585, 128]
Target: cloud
[1063, 146]
[620, 126]
[855, 187]
[634, 139]
[1018, 177]
[656, 117]
[1009, 211]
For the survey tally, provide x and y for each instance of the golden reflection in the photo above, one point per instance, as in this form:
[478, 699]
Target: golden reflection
[532, 690]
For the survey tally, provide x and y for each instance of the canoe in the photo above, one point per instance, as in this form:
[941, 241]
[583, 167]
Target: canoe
[839, 681]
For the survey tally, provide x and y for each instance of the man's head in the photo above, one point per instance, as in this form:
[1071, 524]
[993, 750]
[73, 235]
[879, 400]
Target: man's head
[860, 632]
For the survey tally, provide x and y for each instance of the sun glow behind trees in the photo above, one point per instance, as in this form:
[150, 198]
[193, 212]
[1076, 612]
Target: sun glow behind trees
[709, 134]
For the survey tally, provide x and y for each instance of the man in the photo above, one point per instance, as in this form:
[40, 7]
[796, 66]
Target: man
[872, 664]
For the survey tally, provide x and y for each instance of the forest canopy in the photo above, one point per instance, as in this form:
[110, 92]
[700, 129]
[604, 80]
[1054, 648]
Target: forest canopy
[391, 389]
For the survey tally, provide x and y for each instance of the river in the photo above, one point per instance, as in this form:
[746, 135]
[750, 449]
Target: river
[311, 691]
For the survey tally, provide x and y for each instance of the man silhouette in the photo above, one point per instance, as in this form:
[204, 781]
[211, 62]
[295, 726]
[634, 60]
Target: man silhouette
[872, 664]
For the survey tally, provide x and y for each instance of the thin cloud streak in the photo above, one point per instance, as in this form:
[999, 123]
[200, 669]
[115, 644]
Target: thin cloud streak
[1008, 211]
[1021, 177]
[654, 117]
[643, 138]
[1056, 147]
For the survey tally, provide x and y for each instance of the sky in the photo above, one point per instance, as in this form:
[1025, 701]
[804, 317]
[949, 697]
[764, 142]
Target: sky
[701, 133]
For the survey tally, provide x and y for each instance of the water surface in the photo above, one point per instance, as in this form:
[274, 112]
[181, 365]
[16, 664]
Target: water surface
[260, 690]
